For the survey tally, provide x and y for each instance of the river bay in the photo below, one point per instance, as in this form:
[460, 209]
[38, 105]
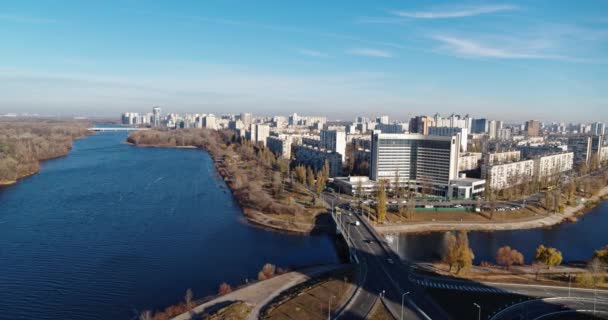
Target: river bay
[577, 241]
[112, 229]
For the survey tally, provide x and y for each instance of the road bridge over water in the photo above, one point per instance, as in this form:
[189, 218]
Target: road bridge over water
[111, 129]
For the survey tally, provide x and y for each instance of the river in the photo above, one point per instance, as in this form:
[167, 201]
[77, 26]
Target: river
[576, 241]
[112, 229]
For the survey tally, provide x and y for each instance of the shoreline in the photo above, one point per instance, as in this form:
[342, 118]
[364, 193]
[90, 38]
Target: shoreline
[256, 218]
[547, 221]
[5, 183]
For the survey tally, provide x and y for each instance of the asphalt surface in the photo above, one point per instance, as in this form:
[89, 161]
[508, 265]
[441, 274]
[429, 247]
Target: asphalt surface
[383, 275]
[554, 308]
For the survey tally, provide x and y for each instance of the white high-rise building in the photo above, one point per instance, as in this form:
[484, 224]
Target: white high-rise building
[334, 140]
[156, 116]
[450, 131]
[420, 160]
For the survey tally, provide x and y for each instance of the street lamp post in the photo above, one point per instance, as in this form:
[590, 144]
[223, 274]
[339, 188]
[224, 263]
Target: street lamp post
[402, 298]
[329, 308]
[569, 281]
[478, 310]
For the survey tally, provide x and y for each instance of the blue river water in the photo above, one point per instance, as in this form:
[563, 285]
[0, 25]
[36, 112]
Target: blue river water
[577, 241]
[112, 229]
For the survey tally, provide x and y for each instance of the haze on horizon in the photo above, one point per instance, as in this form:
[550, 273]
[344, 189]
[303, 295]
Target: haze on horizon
[512, 60]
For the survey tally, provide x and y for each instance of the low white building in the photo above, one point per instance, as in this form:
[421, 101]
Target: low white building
[466, 188]
[350, 185]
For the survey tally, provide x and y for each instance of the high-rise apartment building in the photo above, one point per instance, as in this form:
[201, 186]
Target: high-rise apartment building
[156, 116]
[533, 128]
[334, 140]
[421, 124]
[420, 160]
[479, 126]
[598, 129]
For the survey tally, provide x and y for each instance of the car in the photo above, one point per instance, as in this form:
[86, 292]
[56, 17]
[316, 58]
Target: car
[357, 223]
[390, 261]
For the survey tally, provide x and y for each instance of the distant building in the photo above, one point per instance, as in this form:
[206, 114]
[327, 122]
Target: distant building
[156, 114]
[382, 119]
[258, 133]
[391, 127]
[421, 124]
[334, 140]
[209, 122]
[533, 128]
[598, 129]
[479, 126]
[246, 118]
[493, 128]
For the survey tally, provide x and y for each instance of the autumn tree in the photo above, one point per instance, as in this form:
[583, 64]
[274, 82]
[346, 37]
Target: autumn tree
[310, 177]
[457, 251]
[465, 255]
[269, 270]
[301, 174]
[505, 256]
[381, 202]
[320, 183]
[548, 256]
[224, 289]
[188, 298]
[602, 255]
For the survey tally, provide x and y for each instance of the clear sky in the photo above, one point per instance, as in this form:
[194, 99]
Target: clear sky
[513, 60]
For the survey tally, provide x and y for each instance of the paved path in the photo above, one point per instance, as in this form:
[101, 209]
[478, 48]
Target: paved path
[261, 293]
[488, 226]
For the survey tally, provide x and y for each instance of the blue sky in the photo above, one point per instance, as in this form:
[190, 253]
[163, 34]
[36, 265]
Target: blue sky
[511, 60]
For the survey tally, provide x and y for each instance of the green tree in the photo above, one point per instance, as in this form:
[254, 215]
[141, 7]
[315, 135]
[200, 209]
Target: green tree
[381, 202]
[548, 256]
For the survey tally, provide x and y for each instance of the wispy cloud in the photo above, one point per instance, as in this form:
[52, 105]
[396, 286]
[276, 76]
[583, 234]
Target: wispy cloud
[368, 52]
[472, 48]
[311, 53]
[24, 19]
[456, 13]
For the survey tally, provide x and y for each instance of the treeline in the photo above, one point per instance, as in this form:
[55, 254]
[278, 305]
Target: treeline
[259, 180]
[23, 144]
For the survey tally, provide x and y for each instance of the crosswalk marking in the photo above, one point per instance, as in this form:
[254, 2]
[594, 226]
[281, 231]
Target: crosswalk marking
[450, 286]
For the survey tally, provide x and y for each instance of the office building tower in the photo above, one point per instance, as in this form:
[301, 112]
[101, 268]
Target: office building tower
[426, 162]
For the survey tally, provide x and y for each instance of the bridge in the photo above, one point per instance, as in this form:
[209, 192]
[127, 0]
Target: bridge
[383, 276]
[110, 129]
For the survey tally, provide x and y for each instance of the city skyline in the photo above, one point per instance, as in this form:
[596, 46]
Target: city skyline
[508, 60]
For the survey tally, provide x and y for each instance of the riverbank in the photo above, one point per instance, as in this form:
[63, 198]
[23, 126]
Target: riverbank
[25, 144]
[569, 213]
[257, 179]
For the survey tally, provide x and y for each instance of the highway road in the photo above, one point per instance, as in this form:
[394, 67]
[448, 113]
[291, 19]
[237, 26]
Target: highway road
[383, 275]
